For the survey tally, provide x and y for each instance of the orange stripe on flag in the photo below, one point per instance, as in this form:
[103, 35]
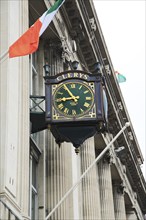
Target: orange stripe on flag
[28, 42]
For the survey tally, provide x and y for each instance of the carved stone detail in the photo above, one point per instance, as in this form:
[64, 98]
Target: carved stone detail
[109, 157]
[107, 69]
[93, 25]
[66, 53]
[130, 135]
[120, 187]
[124, 168]
[120, 105]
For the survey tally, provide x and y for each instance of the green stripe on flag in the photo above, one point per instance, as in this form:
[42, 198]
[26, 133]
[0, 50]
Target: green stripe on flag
[55, 6]
[121, 78]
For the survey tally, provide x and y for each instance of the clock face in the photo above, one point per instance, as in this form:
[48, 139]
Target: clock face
[73, 99]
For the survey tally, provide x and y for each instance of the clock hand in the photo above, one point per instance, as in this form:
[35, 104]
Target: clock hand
[70, 93]
[69, 98]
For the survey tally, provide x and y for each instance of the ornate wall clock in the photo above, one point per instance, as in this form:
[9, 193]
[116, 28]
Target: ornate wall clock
[73, 100]
[75, 106]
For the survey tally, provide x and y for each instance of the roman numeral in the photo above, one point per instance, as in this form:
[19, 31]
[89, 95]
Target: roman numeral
[58, 100]
[66, 110]
[86, 104]
[86, 91]
[61, 106]
[74, 112]
[88, 98]
[73, 86]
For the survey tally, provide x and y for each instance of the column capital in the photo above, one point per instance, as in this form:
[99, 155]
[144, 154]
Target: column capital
[54, 44]
[120, 187]
[66, 53]
[109, 157]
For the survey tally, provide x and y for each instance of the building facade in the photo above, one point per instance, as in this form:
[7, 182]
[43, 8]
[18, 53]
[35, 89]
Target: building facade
[35, 173]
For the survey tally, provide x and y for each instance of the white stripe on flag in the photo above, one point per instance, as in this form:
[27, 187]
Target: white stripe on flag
[46, 21]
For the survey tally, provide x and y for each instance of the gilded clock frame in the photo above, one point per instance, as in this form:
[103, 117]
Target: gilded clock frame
[59, 116]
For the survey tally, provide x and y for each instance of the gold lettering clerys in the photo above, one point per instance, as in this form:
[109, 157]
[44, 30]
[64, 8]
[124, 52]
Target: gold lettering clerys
[69, 75]
[83, 76]
[59, 78]
[72, 75]
[63, 76]
[75, 75]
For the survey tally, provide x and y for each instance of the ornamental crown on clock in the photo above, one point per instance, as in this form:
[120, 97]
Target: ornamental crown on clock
[73, 99]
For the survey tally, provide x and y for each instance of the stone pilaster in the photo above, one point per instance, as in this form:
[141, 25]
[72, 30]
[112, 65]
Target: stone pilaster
[106, 192]
[119, 203]
[14, 112]
[3, 90]
[23, 164]
[90, 187]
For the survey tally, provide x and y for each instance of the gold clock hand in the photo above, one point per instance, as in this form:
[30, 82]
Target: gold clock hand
[70, 93]
[69, 98]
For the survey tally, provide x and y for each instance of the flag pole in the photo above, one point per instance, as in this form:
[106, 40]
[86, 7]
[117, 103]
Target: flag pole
[4, 54]
[127, 124]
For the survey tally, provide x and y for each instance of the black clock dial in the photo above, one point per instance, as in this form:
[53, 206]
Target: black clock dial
[73, 99]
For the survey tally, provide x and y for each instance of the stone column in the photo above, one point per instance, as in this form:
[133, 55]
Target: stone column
[59, 159]
[3, 210]
[119, 203]
[105, 187]
[59, 179]
[90, 187]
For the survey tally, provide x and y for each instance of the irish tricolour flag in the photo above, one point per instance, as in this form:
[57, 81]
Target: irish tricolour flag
[120, 77]
[29, 41]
